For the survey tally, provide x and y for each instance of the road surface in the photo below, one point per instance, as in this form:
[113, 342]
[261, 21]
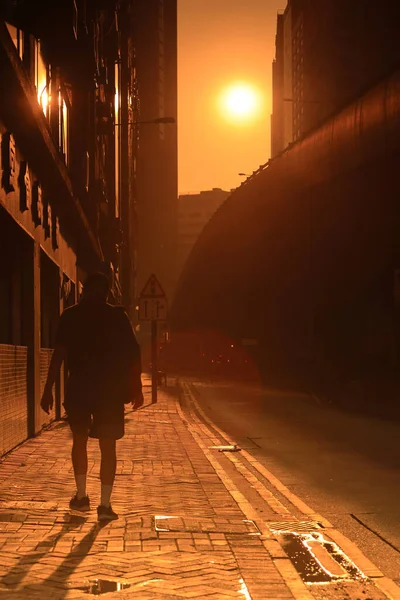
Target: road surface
[344, 466]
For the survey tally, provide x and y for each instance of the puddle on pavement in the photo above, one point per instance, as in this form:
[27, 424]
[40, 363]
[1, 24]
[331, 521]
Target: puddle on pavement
[306, 565]
[104, 586]
[244, 590]
[60, 425]
[318, 560]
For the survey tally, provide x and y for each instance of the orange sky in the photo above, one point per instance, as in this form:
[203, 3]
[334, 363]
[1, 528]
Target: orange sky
[221, 41]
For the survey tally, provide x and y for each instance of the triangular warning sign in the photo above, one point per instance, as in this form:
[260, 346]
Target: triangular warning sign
[152, 289]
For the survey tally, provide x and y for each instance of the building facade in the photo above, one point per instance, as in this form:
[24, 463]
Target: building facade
[67, 182]
[194, 212]
[157, 176]
[327, 54]
[278, 105]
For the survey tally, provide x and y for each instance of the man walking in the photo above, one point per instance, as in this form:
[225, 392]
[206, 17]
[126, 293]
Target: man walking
[103, 358]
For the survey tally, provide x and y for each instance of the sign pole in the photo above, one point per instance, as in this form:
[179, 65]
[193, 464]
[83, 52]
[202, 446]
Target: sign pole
[154, 366]
[153, 307]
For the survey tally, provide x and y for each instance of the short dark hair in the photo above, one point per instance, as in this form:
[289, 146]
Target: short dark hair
[97, 281]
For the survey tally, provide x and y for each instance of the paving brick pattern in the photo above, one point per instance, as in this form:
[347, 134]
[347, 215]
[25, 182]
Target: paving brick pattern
[48, 552]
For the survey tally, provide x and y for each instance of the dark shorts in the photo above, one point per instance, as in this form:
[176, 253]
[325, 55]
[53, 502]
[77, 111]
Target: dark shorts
[96, 422]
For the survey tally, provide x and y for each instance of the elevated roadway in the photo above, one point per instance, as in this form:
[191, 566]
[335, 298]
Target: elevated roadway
[303, 255]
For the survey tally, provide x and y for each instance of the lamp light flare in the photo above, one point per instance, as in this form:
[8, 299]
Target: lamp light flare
[44, 100]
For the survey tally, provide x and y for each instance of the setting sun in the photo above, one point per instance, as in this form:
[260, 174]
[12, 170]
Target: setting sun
[240, 103]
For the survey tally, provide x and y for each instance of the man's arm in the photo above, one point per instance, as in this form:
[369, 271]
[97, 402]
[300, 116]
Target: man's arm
[54, 369]
[55, 366]
[59, 353]
[133, 355]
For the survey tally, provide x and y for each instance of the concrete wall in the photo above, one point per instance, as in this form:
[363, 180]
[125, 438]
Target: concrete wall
[302, 255]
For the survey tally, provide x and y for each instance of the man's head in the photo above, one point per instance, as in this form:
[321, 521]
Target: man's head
[96, 286]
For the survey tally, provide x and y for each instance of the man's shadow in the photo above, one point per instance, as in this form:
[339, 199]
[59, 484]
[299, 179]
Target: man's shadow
[54, 582]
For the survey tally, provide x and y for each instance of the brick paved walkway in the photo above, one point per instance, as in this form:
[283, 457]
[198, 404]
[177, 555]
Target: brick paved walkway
[208, 550]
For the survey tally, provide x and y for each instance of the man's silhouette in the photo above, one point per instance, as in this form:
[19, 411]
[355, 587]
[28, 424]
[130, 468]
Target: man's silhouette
[103, 359]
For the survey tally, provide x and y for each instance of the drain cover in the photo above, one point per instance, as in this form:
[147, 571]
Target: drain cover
[294, 526]
[103, 586]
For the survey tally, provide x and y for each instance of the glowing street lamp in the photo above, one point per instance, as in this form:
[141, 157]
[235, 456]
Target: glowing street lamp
[44, 99]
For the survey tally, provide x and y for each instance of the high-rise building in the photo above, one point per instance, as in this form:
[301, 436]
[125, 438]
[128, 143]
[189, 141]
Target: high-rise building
[194, 212]
[278, 65]
[327, 53]
[156, 169]
[282, 84]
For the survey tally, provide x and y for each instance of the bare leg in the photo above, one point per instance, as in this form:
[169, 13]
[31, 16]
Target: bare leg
[107, 469]
[108, 466]
[80, 462]
[79, 454]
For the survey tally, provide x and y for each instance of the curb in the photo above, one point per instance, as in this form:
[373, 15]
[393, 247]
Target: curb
[283, 564]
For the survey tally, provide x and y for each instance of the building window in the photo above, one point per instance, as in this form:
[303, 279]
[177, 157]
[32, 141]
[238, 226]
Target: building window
[17, 37]
[63, 126]
[161, 67]
[41, 78]
[65, 136]
[75, 19]
[96, 44]
[117, 121]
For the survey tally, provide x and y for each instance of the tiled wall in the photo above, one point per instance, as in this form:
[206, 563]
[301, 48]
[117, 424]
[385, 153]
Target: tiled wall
[13, 397]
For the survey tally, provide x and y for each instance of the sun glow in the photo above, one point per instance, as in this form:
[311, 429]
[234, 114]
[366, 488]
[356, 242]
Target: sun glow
[240, 103]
